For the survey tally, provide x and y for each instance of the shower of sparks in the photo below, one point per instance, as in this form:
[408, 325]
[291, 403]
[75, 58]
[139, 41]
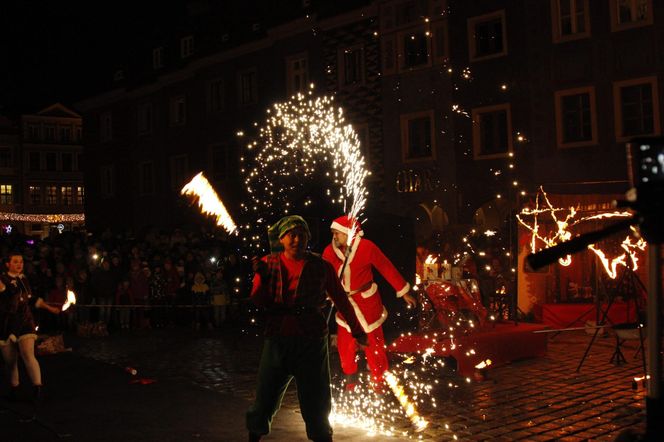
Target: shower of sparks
[411, 381]
[409, 408]
[208, 201]
[301, 140]
[564, 222]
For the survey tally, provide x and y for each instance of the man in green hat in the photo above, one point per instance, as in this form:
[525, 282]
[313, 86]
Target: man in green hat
[292, 285]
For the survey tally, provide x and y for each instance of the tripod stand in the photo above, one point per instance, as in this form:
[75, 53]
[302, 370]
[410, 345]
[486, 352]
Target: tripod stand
[628, 287]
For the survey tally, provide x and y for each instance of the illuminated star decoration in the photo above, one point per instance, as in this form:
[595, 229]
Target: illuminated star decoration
[301, 140]
[564, 222]
[209, 201]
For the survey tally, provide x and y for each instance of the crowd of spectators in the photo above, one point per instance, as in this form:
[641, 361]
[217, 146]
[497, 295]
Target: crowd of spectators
[160, 279]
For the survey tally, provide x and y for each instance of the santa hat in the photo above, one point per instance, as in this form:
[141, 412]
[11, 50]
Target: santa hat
[344, 225]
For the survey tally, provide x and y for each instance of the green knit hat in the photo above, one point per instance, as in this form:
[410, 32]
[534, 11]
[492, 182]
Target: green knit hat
[279, 229]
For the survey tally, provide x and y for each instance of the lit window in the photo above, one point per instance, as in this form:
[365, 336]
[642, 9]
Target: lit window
[492, 131]
[6, 196]
[51, 195]
[80, 195]
[67, 193]
[35, 195]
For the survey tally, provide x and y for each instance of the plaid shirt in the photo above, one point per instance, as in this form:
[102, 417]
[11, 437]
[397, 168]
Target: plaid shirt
[302, 313]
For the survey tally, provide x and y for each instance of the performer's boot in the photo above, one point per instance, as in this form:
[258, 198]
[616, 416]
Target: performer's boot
[351, 381]
[36, 394]
[12, 396]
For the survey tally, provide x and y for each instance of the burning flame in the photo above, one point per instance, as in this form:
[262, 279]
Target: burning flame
[71, 299]
[418, 421]
[431, 259]
[483, 364]
[208, 201]
[563, 234]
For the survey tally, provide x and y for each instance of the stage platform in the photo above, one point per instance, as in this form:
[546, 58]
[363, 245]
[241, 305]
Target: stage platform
[501, 343]
[576, 315]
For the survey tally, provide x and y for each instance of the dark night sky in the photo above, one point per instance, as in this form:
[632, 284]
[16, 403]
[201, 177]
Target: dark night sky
[54, 51]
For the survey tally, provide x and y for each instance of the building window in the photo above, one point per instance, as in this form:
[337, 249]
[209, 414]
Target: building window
[34, 132]
[417, 136]
[297, 73]
[351, 66]
[248, 87]
[158, 58]
[67, 193]
[146, 178]
[35, 195]
[78, 134]
[487, 36]
[34, 161]
[576, 117]
[106, 126]
[187, 46]
[571, 19]
[65, 134]
[80, 195]
[178, 110]
[636, 108]
[492, 131]
[440, 47]
[144, 115]
[414, 49]
[6, 157]
[51, 195]
[216, 95]
[49, 134]
[219, 162]
[51, 161]
[67, 160]
[6, 197]
[179, 170]
[107, 181]
[388, 54]
[626, 14]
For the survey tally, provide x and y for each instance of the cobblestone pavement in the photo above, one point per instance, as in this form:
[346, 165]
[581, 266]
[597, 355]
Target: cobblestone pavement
[532, 400]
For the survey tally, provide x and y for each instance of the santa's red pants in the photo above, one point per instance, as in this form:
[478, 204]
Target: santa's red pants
[375, 353]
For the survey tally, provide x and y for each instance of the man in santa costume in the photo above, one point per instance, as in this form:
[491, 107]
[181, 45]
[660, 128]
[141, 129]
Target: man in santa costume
[357, 279]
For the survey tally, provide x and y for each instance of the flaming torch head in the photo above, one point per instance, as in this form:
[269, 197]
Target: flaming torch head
[71, 299]
[209, 201]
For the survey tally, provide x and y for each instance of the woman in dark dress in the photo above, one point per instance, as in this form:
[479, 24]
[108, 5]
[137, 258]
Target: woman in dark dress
[18, 330]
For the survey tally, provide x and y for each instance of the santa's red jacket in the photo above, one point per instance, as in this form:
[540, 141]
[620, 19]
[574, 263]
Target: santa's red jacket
[358, 281]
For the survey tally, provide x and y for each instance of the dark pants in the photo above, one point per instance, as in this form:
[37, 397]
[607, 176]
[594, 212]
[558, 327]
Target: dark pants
[305, 359]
